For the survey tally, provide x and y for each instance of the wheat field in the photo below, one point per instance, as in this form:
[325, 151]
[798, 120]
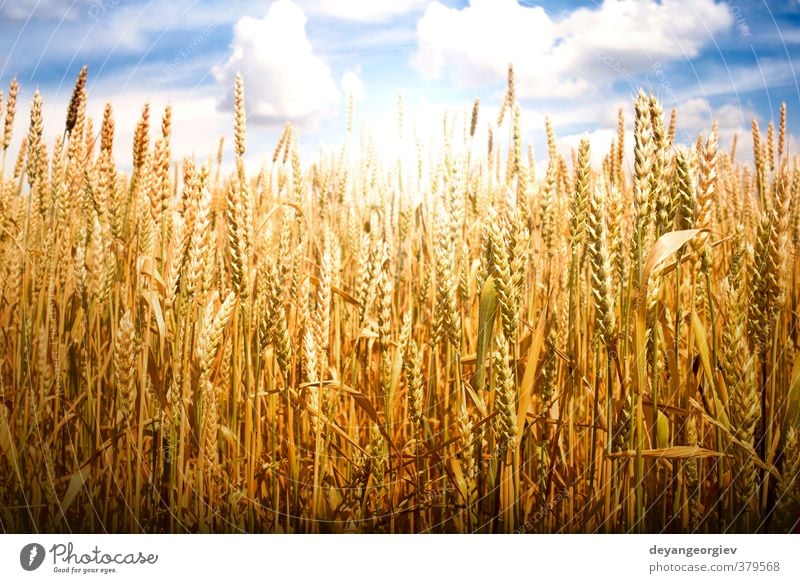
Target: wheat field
[448, 341]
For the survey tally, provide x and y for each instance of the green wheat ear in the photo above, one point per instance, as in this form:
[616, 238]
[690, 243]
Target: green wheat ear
[486, 315]
[662, 431]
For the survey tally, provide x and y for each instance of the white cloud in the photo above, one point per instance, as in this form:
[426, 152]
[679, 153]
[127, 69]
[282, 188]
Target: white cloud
[352, 85]
[362, 10]
[196, 125]
[695, 116]
[734, 78]
[135, 27]
[42, 9]
[599, 144]
[567, 57]
[284, 79]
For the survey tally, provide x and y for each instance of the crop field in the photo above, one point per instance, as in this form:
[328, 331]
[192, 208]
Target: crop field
[462, 338]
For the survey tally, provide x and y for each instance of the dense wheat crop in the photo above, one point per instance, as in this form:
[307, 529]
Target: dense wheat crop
[442, 342]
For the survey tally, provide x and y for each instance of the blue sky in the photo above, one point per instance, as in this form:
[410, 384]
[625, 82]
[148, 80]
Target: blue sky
[577, 61]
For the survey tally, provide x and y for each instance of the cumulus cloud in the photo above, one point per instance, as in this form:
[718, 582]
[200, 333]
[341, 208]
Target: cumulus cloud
[585, 50]
[362, 10]
[284, 79]
[599, 144]
[352, 85]
[696, 115]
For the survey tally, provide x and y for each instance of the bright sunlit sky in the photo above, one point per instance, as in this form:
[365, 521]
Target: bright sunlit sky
[578, 61]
